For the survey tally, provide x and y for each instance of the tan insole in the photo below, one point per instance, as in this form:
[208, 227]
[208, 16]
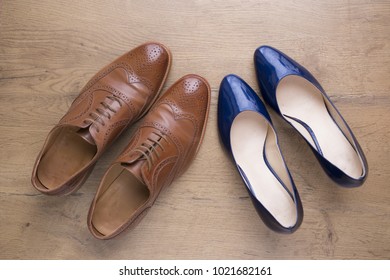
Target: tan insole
[299, 99]
[248, 135]
[118, 203]
[68, 154]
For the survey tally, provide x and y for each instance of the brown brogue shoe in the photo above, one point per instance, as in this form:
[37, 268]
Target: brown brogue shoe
[117, 96]
[160, 150]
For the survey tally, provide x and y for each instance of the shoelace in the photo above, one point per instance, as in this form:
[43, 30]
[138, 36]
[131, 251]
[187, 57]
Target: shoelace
[97, 117]
[147, 150]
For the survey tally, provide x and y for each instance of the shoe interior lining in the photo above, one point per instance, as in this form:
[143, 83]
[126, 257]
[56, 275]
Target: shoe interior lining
[67, 155]
[300, 100]
[249, 134]
[121, 196]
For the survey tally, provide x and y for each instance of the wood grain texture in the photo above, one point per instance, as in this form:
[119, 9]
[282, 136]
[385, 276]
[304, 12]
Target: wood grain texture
[50, 49]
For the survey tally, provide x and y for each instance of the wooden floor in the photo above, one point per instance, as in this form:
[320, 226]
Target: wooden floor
[50, 49]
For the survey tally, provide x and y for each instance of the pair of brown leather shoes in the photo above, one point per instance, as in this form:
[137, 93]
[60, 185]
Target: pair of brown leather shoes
[159, 151]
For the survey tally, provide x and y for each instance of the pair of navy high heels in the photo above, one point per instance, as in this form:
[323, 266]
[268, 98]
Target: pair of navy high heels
[247, 132]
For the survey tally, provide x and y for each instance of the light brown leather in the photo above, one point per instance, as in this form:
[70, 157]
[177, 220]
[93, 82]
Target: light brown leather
[160, 150]
[117, 96]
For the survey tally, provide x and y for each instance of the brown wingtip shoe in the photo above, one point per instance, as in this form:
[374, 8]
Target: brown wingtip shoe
[117, 96]
[159, 151]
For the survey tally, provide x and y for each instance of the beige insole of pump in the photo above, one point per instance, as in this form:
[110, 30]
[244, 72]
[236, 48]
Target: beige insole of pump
[68, 154]
[120, 199]
[300, 99]
[248, 135]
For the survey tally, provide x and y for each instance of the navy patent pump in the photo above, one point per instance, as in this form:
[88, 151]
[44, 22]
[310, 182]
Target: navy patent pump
[247, 133]
[298, 97]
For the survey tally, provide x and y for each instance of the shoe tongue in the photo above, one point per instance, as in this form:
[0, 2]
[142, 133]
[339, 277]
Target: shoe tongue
[135, 168]
[86, 135]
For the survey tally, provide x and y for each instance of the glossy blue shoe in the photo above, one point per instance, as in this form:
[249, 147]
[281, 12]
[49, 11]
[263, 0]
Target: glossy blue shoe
[247, 133]
[298, 97]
